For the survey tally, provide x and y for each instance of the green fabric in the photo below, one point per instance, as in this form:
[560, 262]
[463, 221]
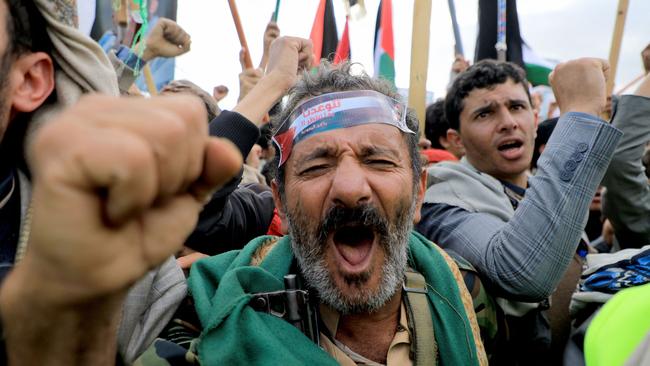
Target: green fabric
[619, 328]
[234, 333]
[387, 68]
[537, 74]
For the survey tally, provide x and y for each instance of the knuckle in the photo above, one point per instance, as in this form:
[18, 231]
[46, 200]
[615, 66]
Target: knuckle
[173, 130]
[139, 157]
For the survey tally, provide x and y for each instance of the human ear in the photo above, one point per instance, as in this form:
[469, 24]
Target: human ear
[277, 200]
[422, 188]
[453, 137]
[31, 81]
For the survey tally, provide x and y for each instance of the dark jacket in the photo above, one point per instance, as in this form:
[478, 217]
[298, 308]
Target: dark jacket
[235, 215]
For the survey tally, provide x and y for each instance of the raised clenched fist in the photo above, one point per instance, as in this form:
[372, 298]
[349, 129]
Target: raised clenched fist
[579, 85]
[118, 185]
[166, 39]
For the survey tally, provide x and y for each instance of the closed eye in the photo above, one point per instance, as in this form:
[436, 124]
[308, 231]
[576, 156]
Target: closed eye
[314, 169]
[380, 162]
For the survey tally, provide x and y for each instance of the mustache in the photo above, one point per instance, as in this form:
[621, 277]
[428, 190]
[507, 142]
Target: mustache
[365, 215]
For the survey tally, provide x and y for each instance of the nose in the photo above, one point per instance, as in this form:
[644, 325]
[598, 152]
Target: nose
[350, 186]
[508, 121]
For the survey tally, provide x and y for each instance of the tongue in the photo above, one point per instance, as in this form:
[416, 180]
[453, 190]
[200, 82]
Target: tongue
[357, 253]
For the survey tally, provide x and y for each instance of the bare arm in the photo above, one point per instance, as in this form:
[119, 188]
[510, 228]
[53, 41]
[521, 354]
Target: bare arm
[288, 56]
[115, 194]
[39, 333]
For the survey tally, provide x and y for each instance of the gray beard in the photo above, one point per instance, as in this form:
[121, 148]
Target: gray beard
[309, 245]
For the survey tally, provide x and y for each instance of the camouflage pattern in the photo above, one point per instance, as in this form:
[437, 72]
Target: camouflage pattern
[176, 345]
[489, 315]
[166, 353]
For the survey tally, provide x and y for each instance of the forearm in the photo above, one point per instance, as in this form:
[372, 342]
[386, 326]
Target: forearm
[38, 331]
[542, 237]
[262, 98]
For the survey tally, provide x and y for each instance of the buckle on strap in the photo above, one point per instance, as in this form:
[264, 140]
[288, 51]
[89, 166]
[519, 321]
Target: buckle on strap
[415, 283]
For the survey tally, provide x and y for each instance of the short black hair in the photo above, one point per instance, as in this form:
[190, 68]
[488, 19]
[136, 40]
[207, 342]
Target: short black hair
[544, 132]
[26, 27]
[485, 74]
[435, 123]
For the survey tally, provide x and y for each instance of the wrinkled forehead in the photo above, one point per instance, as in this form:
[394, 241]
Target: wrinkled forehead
[508, 90]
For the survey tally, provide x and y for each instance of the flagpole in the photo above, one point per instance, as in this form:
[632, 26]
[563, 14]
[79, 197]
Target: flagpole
[149, 79]
[458, 46]
[501, 45]
[277, 10]
[419, 58]
[240, 33]
[617, 39]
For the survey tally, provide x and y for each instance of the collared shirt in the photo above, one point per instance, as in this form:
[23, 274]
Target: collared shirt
[398, 351]
[514, 192]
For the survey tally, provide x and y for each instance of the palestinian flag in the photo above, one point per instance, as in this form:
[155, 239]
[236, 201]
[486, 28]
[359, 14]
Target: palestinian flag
[384, 46]
[487, 32]
[343, 49]
[537, 68]
[324, 35]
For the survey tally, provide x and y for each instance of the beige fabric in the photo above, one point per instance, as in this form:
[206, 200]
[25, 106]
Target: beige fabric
[398, 351]
[252, 175]
[124, 74]
[83, 67]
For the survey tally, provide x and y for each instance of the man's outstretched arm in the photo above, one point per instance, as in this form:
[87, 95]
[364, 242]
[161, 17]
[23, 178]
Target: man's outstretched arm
[118, 184]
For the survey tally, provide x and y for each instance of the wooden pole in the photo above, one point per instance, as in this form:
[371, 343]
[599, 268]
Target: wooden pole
[419, 58]
[240, 33]
[151, 83]
[122, 16]
[617, 39]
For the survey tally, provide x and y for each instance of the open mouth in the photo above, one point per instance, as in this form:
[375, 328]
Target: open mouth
[354, 244]
[510, 145]
[511, 149]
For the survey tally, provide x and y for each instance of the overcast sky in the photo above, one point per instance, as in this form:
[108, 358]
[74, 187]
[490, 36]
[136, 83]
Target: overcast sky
[555, 29]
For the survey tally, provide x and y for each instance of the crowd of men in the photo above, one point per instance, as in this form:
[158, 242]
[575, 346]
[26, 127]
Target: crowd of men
[166, 231]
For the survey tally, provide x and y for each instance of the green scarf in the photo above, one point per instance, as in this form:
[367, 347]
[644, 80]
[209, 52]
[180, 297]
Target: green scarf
[234, 333]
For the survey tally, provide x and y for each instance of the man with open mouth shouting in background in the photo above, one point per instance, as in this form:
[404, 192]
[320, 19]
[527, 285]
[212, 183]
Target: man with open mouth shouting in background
[349, 184]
